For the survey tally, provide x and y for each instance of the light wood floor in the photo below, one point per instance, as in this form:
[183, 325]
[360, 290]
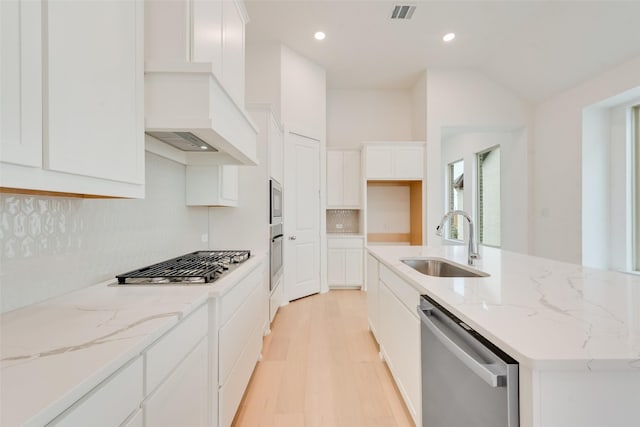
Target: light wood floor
[320, 368]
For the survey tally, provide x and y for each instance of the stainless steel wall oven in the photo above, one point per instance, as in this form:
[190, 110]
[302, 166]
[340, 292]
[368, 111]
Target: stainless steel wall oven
[275, 255]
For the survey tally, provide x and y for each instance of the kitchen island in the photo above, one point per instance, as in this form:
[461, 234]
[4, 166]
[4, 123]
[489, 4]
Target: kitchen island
[575, 331]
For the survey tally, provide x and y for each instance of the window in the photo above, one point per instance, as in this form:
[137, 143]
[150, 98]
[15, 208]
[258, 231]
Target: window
[489, 197]
[636, 186]
[456, 196]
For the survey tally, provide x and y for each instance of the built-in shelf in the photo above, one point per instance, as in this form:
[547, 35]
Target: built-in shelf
[392, 219]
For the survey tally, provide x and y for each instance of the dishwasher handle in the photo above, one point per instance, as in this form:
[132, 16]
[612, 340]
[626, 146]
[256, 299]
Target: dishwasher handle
[483, 370]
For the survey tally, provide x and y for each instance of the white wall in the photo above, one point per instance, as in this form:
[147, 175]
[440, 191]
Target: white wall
[469, 101]
[50, 245]
[304, 96]
[247, 225]
[557, 162]
[354, 116]
[262, 75]
[419, 107]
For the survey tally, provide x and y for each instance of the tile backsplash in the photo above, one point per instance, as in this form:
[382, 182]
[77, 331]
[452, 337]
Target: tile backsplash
[50, 246]
[343, 221]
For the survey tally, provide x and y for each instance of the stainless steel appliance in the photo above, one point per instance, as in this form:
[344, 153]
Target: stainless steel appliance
[194, 268]
[275, 255]
[466, 380]
[275, 197]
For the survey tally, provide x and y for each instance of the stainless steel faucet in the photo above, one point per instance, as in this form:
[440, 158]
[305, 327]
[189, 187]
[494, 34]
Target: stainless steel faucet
[473, 245]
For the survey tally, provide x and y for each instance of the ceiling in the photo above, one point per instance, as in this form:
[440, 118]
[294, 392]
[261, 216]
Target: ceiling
[535, 48]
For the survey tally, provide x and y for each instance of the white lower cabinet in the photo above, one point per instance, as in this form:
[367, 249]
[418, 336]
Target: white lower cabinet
[182, 399]
[398, 334]
[372, 294]
[345, 261]
[110, 403]
[239, 321]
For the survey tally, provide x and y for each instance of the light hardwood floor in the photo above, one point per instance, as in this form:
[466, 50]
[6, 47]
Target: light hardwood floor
[320, 368]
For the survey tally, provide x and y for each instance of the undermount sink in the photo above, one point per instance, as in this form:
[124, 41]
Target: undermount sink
[441, 268]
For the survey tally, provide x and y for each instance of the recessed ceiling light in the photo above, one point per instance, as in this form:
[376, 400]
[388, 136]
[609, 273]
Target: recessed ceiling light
[204, 147]
[448, 37]
[319, 35]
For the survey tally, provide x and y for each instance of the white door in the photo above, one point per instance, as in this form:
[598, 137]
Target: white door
[301, 216]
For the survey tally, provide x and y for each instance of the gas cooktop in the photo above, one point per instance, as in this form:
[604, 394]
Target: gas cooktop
[193, 268]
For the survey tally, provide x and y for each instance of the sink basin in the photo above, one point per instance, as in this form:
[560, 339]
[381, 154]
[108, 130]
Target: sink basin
[441, 268]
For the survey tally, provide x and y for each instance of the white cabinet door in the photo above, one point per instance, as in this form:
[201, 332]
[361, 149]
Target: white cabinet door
[21, 83]
[379, 163]
[335, 178]
[207, 34]
[399, 340]
[93, 85]
[212, 185]
[372, 294]
[408, 162]
[394, 160]
[336, 266]
[353, 267]
[276, 150]
[351, 178]
[233, 50]
[182, 399]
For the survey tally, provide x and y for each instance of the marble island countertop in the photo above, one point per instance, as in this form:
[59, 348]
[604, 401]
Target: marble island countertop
[54, 352]
[546, 314]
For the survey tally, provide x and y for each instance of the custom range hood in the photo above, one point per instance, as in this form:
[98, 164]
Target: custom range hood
[194, 82]
[187, 108]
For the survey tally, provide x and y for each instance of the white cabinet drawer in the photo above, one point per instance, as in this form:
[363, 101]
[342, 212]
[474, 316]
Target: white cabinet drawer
[231, 392]
[233, 335]
[409, 296]
[110, 403]
[165, 354]
[182, 399]
[345, 242]
[232, 300]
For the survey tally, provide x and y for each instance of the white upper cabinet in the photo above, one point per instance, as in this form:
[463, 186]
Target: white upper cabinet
[72, 97]
[212, 185]
[233, 49]
[276, 150]
[394, 161]
[93, 89]
[343, 178]
[194, 80]
[21, 83]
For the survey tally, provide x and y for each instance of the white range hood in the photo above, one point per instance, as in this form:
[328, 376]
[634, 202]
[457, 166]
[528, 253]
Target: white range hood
[186, 101]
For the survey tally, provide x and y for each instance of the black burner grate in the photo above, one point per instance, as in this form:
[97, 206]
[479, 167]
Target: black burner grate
[195, 267]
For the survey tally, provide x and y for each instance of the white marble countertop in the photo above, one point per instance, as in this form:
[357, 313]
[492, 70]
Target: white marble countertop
[546, 314]
[54, 352]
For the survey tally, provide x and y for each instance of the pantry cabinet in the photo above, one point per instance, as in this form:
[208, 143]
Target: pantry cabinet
[343, 179]
[345, 261]
[394, 160]
[72, 97]
[212, 185]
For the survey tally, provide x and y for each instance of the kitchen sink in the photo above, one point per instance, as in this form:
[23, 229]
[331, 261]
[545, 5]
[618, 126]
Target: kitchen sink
[442, 268]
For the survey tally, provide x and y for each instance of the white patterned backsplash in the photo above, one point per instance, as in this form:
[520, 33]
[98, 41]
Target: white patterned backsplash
[50, 245]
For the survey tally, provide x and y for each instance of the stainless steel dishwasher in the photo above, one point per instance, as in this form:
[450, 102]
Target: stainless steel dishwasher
[466, 380]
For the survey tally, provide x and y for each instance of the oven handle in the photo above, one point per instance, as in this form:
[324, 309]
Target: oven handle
[484, 371]
[279, 236]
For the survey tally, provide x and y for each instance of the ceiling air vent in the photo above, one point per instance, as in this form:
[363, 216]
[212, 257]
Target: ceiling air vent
[403, 11]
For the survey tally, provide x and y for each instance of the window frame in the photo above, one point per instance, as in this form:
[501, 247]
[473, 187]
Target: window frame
[449, 202]
[635, 186]
[478, 198]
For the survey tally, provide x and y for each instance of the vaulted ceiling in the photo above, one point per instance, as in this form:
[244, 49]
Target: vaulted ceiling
[535, 48]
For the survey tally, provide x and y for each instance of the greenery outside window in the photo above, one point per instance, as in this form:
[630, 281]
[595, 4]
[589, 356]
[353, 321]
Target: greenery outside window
[455, 173]
[489, 197]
